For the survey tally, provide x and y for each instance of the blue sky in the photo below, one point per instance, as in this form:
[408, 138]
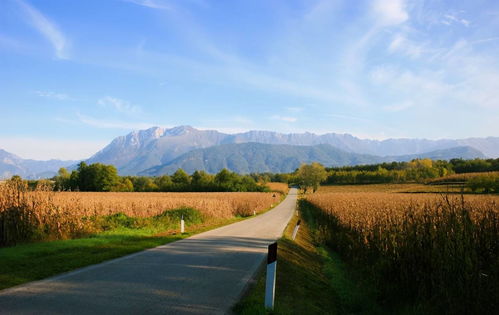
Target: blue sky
[76, 74]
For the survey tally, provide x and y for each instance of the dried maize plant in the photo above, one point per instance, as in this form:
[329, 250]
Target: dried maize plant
[32, 215]
[219, 205]
[279, 187]
[440, 249]
[45, 215]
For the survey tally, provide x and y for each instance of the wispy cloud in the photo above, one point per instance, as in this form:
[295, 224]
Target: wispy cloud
[449, 19]
[284, 118]
[53, 95]
[47, 28]
[119, 105]
[152, 4]
[390, 12]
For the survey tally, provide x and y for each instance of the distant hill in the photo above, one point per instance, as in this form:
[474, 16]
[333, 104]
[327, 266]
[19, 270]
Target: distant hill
[464, 152]
[11, 164]
[144, 149]
[247, 158]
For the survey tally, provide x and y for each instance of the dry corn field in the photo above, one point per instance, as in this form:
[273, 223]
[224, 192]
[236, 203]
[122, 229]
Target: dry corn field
[279, 187]
[219, 205]
[443, 250]
[24, 214]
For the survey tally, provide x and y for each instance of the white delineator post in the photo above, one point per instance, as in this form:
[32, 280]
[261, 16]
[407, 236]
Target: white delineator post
[271, 274]
[182, 225]
[295, 231]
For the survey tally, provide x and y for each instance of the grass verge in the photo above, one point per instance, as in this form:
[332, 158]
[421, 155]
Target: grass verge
[310, 280]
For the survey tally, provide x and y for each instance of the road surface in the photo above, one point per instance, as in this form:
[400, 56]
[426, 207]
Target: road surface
[203, 274]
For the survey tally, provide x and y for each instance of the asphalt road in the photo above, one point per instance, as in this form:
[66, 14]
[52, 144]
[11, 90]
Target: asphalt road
[203, 274]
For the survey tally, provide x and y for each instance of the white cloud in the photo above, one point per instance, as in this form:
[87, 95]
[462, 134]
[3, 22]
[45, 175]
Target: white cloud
[152, 4]
[53, 95]
[120, 105]
[449, 19]
[390, 12]
[404, 46]
[284, 118]
[48, 29]
[48, 148]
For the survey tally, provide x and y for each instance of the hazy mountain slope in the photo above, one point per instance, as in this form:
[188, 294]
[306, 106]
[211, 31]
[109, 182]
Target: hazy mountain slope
[464, 152]
[11, 164]
[172, 144]
[489, 146]
[257, 157]
[141, 150]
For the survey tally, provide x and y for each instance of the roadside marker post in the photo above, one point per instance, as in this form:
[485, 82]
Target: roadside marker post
[271, 276]
[182, 224]
[295, 231]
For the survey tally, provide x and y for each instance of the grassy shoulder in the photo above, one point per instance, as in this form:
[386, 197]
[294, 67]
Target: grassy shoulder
[125, 235]
[310, 280]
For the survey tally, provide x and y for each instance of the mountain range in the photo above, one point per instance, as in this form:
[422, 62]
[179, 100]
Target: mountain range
[11, 164]
[254, 157]
[156, 151]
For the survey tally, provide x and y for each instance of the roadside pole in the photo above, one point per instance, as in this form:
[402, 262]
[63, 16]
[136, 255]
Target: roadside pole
[182, 225]
[295, 231]
[271, 276]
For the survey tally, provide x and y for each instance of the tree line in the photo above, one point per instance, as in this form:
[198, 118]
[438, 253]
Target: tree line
[101, 177]
[417, 170]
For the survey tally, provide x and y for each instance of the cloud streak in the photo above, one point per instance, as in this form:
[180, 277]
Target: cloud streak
[53, 95]
[152, 4]
[119, 105]
[47, 28]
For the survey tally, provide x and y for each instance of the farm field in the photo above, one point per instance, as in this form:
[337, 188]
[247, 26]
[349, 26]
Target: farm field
[437, 251]
[54, 232]
[392, 188]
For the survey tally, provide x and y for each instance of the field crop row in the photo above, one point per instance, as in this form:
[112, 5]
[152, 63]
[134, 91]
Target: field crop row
[438, 250]
[42, 214]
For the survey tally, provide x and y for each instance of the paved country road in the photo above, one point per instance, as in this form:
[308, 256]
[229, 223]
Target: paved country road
[203, 274]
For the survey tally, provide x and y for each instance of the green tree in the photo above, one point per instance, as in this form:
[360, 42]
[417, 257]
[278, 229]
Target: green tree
[95, 177]
[226, 180]
[143, 183]
[181, 180]
[311, 175]
[202, 181]
[62, 180]
[125, 185]
[164, 183]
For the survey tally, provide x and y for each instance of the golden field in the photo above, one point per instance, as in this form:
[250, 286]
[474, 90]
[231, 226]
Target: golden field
[42, 214]
[136, 204]
[278, 187]
[441, 250]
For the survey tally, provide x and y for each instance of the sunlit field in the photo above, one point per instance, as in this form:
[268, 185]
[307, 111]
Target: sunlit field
[41, 214]
[437, 248]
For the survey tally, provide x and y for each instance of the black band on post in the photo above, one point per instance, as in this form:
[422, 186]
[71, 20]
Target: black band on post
[299, 221]
[272, 255]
